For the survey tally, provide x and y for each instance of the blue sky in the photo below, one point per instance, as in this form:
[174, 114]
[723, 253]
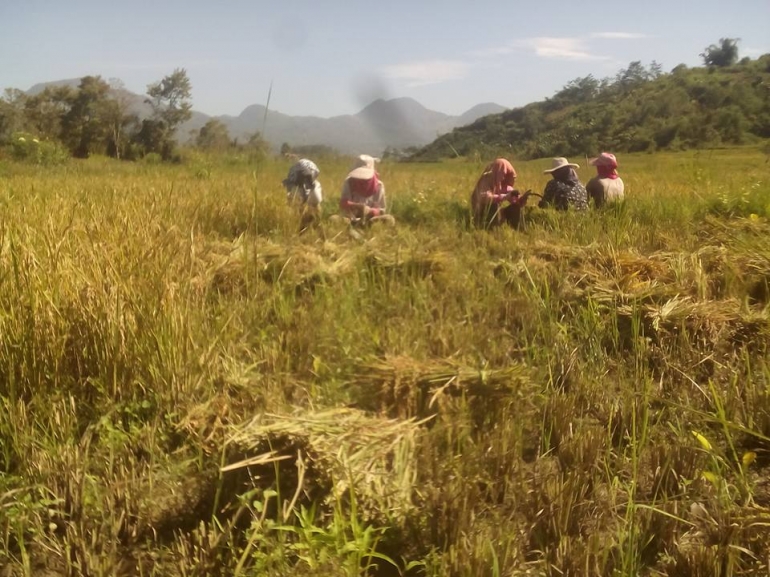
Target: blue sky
[332, 57]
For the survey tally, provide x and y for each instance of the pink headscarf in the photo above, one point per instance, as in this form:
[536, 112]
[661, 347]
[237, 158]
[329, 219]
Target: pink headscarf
[606, 165]
[503, 175]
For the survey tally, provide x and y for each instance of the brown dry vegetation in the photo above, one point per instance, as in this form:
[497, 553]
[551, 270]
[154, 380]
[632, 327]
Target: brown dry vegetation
[188, 387]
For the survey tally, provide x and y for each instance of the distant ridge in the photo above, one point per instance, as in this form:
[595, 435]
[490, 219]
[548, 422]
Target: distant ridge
[398, 123]
[640, 109]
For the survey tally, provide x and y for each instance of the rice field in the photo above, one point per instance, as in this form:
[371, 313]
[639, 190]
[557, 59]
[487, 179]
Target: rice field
[188, 387]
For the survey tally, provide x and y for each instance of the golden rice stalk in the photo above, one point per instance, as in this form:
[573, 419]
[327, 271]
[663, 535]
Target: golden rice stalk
[405, 386]
[342, 448]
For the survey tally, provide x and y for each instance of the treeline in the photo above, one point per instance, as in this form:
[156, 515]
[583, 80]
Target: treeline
[98, 117]
[727, 102]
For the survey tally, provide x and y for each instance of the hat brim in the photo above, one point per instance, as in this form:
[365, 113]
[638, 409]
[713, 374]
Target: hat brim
[570, 164]
[361, 173]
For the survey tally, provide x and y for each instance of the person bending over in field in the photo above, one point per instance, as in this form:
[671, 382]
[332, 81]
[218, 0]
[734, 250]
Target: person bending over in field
[493, 189]
[363, 194]
[565, 190]
[304, 189]
[606, 187]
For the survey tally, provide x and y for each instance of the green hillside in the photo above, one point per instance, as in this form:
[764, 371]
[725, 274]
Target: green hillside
[640, 109]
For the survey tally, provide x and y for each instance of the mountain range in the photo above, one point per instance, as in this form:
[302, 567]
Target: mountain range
[398, 122]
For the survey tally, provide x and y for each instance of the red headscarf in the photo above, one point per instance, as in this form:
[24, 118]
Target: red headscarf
[606, 165]
[365, 188]
[503, 175]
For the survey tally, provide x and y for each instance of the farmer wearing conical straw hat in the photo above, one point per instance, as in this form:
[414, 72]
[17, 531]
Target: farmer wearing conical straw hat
[363, 194]
[565, 190]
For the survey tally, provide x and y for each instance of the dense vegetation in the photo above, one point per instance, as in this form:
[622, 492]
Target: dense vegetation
[641, 109]
[188, 387]
[98, 117]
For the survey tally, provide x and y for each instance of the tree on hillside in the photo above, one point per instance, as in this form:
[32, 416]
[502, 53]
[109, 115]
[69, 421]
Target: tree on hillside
[579, 90]
[171, 104]
[635, 74]
[213, 136]
[723, 54]
[171, 99]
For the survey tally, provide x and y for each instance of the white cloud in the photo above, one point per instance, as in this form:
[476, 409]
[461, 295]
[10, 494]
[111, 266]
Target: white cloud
[425, 72]
[560, 48]
[618, 35]
[574, 48]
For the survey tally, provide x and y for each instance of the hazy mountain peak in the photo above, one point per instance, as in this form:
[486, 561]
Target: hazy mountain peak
[395, 122]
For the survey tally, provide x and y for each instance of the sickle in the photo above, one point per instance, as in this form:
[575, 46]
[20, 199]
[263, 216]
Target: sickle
[522, 200]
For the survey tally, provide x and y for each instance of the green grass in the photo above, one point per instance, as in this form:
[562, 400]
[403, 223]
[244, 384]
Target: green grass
[589, 396]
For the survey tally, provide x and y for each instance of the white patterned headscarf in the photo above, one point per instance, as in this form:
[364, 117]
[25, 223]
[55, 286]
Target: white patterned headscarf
[303, 167]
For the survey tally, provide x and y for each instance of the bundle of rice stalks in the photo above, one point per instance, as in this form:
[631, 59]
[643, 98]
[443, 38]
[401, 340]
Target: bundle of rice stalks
[338, 454]
[225, 268]
[404, 386]
[416, 265]
[222, 266]
[714, 324]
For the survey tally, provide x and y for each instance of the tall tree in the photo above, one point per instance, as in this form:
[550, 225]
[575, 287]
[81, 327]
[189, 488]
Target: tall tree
[83, 126]
[118, 118]
[171, 104]
[723, 54]
[171, 99]
[44, 111]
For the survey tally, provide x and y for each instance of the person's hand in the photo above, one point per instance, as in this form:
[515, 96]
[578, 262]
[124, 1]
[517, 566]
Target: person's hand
[365, 211]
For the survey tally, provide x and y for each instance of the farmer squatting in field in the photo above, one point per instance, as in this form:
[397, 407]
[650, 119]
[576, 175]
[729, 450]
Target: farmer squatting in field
[493, 189]
[303, 188]
[363, 194]
[607, 186]
[565, 190]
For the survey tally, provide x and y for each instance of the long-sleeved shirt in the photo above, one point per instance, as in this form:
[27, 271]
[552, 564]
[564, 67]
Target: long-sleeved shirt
[375, 201]
[564, 196]
[310, 195]
[301, 183]
[605, 190]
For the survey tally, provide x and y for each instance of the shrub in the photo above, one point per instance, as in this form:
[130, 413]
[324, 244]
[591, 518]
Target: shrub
[27, 148]
[152, 158]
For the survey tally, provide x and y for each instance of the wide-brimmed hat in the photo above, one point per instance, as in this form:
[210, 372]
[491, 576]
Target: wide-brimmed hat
[363, 167]
[362, 173]
[560, 162]
[365, 160]
[604, 159]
